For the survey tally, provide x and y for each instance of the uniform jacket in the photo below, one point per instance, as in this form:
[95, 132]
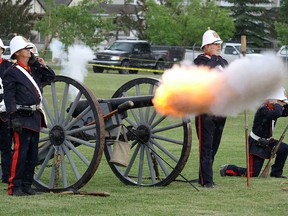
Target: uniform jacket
[4, 65]
[19, 90]
[211, 62]
[264, 121]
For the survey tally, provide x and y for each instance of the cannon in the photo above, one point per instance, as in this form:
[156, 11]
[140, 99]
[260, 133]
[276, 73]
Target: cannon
[82, 127]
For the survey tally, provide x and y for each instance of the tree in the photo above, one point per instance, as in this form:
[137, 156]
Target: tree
[15, 19]
[174, 22]
[177, 23]
[282, 23]
[253, 20]
[135, 21]
[69, 24]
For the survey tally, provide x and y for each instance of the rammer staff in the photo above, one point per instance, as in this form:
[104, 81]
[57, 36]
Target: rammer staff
[243, 45]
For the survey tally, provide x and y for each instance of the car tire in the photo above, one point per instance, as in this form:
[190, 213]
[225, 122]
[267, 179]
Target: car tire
[159, 66]
[133, 71]
[98, 69]
[124, 64]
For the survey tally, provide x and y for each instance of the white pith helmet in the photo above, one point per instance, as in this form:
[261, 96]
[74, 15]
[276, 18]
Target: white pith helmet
[17, 43]
[210, 37]
[2, 45]
[279, 94]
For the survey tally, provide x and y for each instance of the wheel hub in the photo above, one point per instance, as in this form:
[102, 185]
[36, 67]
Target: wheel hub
[57, 135]
[143, 134]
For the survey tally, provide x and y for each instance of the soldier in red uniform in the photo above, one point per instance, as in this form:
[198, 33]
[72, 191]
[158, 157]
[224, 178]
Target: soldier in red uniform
[261, 142]
[22, 84]
[5, 138]
[209, 127]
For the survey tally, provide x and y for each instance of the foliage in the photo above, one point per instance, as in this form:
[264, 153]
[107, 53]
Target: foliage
[128, 22]
[283, 11]
[282, 23]
[282, 32]
[15, 19]
[69, 24]
[178, 23]
[253, 20]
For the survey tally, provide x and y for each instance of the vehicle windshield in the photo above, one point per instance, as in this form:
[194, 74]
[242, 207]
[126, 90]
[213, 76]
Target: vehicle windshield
[6, 53]
[122, 46]
[248, 50]
[284, 51]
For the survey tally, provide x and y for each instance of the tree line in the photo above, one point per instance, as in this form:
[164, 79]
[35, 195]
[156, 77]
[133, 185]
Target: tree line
[172, 22]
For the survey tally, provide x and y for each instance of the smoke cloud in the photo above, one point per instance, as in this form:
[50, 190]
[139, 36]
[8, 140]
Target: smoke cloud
[243, 85]
[74, 62]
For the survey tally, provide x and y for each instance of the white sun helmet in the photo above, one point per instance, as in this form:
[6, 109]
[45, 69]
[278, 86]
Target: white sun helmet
[210, 37]
[2, 45]
[279, 94]
[17, 43]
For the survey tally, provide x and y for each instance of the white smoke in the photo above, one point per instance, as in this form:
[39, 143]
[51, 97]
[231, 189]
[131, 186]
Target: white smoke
[243, 85]
[74, 64]
[252, 80]
[57, 49]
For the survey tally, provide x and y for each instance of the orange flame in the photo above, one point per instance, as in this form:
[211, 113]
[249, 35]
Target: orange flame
[187, 90]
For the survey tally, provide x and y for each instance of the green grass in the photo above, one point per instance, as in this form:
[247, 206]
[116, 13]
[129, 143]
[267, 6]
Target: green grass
[231, 196]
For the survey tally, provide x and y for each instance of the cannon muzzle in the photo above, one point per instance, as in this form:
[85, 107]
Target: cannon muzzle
[121, 108]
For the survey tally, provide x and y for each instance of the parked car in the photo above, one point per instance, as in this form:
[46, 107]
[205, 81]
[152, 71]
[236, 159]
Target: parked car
[230, 52]
[233, 51]
[6, 54]
[283, 53]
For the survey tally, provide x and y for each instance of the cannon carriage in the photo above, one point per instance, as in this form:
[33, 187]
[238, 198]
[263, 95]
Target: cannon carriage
[82, 127]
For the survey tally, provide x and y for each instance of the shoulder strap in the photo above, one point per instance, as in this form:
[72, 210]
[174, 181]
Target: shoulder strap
[36, 86]
[31, 80]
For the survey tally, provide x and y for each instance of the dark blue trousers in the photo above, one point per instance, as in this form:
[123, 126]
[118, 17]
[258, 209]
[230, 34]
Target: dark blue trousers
[6, 150]
[209, 131]
[24, 160]
[256, 163]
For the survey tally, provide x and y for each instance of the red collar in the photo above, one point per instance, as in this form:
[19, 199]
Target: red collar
[270, 106]
[24, 66]
[1, 60]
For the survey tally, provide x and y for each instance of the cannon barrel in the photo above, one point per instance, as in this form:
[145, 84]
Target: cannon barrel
[139, 101]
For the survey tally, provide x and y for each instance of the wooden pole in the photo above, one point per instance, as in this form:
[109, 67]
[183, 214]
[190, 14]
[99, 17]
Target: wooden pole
[243, 45]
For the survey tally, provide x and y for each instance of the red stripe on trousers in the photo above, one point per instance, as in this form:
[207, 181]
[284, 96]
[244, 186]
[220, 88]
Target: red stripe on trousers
[231, 172]
[251, 165]
[14, 162]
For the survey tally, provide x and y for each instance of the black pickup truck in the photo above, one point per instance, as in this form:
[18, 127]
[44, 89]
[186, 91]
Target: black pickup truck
[132, 54]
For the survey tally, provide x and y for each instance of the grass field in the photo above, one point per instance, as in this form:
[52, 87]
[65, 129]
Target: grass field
[231, 196]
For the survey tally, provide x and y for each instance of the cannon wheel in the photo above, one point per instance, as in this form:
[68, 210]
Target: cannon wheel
[69, 151]
[159, 155]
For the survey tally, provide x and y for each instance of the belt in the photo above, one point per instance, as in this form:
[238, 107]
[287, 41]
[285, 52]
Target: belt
[32, 107]
[255, 137]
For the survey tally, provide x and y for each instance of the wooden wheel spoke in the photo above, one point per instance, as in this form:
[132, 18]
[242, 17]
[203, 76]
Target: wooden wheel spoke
[79, 147]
